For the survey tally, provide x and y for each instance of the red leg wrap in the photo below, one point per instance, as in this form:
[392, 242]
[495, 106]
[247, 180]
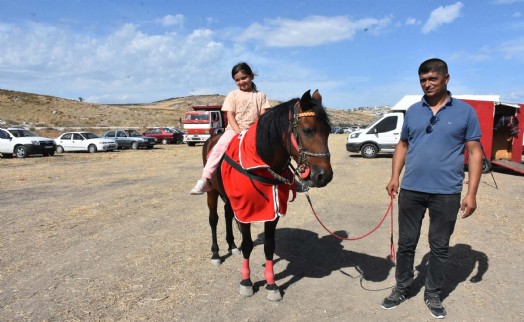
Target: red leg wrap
[246, 272]
[268, 273]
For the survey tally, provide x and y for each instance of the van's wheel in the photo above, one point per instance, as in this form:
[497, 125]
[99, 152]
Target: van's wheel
[21, 151]
[486, 166]
[134, 145]
[369, 151]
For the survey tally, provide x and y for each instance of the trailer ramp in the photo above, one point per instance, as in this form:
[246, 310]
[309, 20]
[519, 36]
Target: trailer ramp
[511, 165]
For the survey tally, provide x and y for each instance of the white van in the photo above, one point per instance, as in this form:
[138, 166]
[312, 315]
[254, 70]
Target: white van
[383, 134]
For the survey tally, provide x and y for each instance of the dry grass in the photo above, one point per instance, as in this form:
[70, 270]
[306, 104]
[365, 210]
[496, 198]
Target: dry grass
[52, 115]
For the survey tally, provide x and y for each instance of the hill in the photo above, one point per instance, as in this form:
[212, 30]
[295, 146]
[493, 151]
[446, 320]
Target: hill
[42, 111]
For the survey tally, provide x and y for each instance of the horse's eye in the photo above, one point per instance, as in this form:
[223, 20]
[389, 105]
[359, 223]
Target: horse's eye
[308, 131]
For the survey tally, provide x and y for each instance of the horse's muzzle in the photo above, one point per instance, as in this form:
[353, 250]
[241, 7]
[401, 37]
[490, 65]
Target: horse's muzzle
[319, 177]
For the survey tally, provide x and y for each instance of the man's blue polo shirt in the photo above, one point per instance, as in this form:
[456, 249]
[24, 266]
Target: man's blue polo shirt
[435, 160]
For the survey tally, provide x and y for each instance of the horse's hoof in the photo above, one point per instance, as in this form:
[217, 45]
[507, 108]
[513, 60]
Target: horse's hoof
[216, 262]
[235, 251]
[274, 295]
[246, 291]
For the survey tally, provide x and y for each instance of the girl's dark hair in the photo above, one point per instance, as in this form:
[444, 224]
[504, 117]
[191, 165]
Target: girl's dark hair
[244, 68]
[433, 65]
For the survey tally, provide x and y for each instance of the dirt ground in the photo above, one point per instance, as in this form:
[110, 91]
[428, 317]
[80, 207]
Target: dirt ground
[116, 236]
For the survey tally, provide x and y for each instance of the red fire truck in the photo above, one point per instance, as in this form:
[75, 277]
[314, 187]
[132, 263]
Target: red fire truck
[202, 122]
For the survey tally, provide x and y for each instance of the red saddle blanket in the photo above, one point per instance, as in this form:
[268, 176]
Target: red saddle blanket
[251, 200]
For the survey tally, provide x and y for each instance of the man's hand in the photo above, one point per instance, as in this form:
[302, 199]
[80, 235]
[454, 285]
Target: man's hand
[392, 188]
[468, 206]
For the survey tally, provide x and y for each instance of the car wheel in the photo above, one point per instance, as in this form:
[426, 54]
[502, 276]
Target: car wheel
[191, 143]
[91, 148]
[49, 154]
[369, 151]
[21, 151]
[164, 141]
[134, 145]
[59, 149]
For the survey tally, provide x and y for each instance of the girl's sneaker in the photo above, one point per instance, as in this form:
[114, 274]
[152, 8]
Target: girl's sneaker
[202, 185]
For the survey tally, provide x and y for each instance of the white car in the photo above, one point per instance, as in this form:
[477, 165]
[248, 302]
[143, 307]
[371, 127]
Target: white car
[83, 141]
[20, 142]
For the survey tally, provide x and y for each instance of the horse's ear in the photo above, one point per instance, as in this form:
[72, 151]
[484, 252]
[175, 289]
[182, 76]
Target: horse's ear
[317, 96]
[305, 101]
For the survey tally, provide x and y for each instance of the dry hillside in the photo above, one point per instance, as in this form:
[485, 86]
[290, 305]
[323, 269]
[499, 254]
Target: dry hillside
[43, 111]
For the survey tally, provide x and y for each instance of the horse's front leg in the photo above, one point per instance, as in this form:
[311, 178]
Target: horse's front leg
[212, 204]
[230, 237]
[273, 292]
[246, 286]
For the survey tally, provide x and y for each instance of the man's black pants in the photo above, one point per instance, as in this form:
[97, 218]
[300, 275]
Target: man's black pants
[443, 211]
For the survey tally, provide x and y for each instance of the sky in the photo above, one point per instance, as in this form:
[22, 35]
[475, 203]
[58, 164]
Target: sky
[355, 52]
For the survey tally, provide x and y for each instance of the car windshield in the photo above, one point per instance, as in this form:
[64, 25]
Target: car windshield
[20, 133]
[89, 135]
[134, 133]
[169, 130]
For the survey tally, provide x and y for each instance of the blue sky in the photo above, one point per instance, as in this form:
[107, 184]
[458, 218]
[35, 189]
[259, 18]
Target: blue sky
[356, 53]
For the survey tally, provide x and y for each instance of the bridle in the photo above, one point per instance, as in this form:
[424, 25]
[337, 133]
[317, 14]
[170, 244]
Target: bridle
[294, 139]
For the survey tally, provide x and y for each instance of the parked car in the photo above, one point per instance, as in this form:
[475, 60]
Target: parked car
[337, 130]
[20, 142]
[130, 139]
[179, 134]
[165, 135]
[83, 141]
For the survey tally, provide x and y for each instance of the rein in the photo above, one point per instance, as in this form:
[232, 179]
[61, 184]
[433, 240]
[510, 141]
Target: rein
[388, 210]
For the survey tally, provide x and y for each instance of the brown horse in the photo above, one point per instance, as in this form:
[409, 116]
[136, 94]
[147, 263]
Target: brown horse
[298, 130]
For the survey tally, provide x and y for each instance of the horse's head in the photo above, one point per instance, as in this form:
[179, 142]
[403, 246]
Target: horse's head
[310, 131]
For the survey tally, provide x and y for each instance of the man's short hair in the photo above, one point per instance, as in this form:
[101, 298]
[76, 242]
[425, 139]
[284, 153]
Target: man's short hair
[433, 65]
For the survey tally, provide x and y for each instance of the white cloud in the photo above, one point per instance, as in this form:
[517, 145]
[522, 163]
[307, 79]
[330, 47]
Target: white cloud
[126, 62]
[311, 31]
[170, 20]
[412, 21]
[442, 15]
[513, 49]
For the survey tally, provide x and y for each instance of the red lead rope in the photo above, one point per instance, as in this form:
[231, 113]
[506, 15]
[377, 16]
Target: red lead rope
[389, 210]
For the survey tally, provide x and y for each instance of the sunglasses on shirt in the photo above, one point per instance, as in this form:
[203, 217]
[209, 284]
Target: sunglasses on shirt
[432, 121]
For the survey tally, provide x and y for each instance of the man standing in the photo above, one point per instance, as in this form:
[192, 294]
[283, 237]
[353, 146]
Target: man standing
[434, 135]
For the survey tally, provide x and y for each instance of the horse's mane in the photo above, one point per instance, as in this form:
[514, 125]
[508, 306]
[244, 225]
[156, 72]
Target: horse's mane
[274, 125]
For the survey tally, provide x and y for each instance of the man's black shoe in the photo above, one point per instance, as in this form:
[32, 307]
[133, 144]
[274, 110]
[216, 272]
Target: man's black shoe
[435, 306]
[395, 298]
